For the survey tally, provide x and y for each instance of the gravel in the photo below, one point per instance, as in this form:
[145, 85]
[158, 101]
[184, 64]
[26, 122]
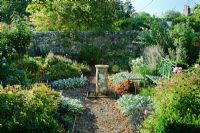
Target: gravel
[100, 115]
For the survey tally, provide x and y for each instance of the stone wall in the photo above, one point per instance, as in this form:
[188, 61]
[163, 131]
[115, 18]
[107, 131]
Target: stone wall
[63, 43]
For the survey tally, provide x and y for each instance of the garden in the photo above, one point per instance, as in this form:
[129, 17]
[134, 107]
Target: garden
[48, 53]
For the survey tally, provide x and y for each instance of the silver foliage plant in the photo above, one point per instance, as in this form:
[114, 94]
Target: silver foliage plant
[70, 83]
[134, 105]
[72, 106]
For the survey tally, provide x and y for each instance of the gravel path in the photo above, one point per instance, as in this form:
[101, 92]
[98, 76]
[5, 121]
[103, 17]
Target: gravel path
[100, 115]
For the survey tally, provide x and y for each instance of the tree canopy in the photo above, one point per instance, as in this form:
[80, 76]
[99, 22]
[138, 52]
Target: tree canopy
[170, 15]
[11, 8]
[72, 15]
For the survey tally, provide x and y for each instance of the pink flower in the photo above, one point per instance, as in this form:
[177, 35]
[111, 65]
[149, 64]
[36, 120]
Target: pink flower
[146, 112]
[177, 70]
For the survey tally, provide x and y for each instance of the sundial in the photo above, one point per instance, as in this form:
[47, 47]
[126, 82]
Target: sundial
[101, 82]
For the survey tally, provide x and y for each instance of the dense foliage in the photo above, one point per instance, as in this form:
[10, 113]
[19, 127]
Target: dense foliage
[29, 110]
[158, 46]
[156, 34]
[136, 22]
[183, 37]
[177, 105]
[10, 9]
[90, 54]
[67, 15]
[58, 67]
[37, 69]
[14, 41]
[171, 15]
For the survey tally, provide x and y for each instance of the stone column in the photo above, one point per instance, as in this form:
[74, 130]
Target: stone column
[101, 78]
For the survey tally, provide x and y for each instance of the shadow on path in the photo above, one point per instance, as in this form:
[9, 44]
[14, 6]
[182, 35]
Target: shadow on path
[87, 123]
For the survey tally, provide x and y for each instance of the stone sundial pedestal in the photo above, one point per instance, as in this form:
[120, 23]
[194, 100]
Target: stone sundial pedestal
[101, 81]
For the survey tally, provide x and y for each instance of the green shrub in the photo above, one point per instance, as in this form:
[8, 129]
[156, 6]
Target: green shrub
[90, 54]
[29, 64]
[177, 105]
[114, 69]
[183, 37]
[16, 76]
[4, 68]
[198, 60]
[58, 67]
[139, 66]
[147, 91]
[156, 34]
[182, 64]
[15, 40]
[29, 110]
[137, 22]
[33, 66]
[10, 75]
[38, 69]
[118, 56]
[70, 83]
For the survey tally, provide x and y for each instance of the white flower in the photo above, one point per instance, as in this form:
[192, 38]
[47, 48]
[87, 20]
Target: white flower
[13, 50]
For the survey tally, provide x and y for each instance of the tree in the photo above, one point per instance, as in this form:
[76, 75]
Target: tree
[156, 33]
[128, 9]
[67, 15]
[183, 37]
[196, 12]
[125, 9]
[193, 21]
[11, 8]
[170, 15]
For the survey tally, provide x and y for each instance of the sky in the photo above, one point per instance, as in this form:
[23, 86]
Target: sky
[158, 7]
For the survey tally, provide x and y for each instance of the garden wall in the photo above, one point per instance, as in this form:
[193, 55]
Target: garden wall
[65, 43]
